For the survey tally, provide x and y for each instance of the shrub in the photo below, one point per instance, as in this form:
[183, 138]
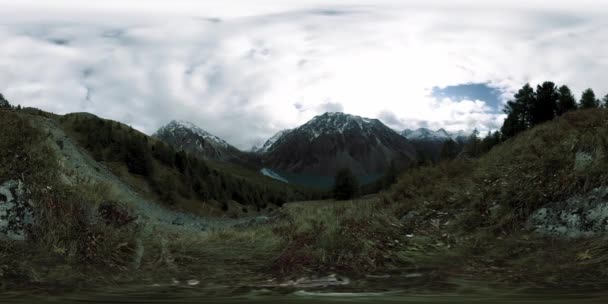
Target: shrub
[346, 185]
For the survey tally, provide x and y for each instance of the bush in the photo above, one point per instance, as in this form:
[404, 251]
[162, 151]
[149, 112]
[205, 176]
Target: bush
[346, 185]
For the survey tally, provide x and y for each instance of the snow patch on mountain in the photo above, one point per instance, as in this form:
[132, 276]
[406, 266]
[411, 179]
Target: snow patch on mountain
[439, 135]
[272, 140]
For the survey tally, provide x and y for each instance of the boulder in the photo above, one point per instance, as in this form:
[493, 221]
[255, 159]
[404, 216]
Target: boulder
[16, 211]
[579, 216]
[582, 161]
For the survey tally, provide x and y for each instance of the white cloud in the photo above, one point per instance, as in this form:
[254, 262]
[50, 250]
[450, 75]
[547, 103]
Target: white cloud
[237, 69]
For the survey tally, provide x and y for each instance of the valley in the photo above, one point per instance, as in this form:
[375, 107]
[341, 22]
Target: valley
[93, 202]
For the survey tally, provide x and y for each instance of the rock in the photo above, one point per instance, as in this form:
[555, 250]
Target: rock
[582, 161]
[16, 211]
[328, 281]
[579, 216]
[261, 220]
[409, 218]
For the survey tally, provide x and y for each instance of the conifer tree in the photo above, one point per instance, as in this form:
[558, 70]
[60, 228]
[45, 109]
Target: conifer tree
[566, 101]
[4, 104]
[545, 105]
[588, 99]
[605, 101]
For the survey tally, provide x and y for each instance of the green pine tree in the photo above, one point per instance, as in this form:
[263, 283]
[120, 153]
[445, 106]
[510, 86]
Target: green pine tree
[605, 101]
[4, 104]
[545, 105]
[588, 99]
[519, 117]
[566, 101]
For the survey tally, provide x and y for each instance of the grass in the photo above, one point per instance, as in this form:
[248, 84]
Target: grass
[356, 237]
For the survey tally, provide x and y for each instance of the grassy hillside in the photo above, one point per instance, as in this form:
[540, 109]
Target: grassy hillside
[474, 212]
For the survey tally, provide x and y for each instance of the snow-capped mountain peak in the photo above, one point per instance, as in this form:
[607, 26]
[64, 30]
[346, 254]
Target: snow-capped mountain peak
[176, 125]
[334, 140]
[336, 122]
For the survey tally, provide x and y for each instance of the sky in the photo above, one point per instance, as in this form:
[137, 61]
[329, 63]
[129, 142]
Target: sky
[244, 69]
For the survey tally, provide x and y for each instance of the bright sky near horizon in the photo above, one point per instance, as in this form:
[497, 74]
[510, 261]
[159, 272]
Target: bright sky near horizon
[244, 70]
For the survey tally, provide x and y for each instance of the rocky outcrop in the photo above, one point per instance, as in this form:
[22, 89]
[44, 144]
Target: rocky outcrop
[16, 211]
[580, 216]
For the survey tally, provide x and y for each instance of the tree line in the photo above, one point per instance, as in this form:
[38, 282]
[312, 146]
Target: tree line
[529, 107]
[532, 107]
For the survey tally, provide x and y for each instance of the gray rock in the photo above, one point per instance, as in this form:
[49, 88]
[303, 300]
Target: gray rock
[16, 211]
[409, 218]
[582, 161]
[579, 216]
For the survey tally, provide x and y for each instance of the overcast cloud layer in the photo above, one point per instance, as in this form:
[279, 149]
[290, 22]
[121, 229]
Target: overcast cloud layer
[243, 71]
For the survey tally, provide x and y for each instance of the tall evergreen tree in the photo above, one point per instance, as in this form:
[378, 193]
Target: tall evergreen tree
[588, 99]
[518, 113]
[449, 150]
[473, 145]
[605, 101]
[566, 101]
[545, 105]
[4, 104]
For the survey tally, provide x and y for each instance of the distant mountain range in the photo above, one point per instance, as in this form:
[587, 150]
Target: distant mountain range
[429, 144]
[424, 134]
[319, 148]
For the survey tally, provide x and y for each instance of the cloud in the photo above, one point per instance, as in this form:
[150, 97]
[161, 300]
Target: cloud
[330, 107]
[244, 71]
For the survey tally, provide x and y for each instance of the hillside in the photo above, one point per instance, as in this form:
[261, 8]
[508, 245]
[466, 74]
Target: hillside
[500, 212]
[168, 176]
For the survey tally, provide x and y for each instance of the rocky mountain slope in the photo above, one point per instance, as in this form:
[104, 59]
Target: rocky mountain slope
[183, 135]
[332, 141]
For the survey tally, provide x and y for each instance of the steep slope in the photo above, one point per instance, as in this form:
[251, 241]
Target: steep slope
[271, 141]
[333, 141]
[549, 180]
[183, 135]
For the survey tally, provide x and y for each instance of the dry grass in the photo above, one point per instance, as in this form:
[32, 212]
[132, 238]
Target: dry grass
[359, 236]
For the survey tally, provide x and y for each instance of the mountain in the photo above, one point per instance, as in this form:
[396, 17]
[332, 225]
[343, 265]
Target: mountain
[424, 134]
[270, 142]
[429, 144]
[334, 140]
[183, 135]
